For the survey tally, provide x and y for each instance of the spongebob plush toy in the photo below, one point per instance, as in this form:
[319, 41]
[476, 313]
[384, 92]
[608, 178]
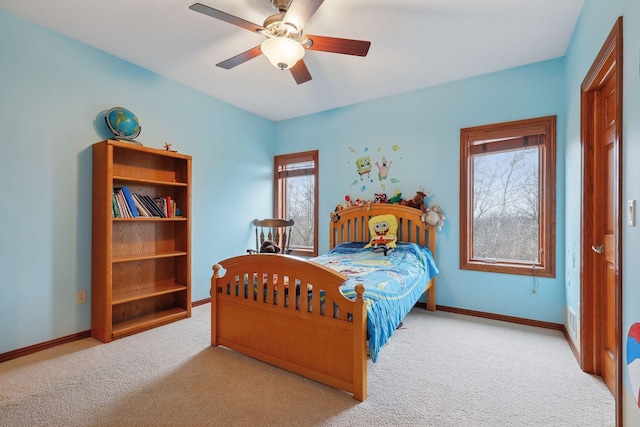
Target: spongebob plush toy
[383, 229]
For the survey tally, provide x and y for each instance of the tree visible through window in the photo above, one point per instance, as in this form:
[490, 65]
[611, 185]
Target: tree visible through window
[507, 201]
[296, 198]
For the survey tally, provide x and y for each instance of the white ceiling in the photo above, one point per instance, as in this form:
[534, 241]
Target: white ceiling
[414, 44]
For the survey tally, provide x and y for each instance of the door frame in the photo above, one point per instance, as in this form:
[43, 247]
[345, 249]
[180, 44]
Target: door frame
[608, 59]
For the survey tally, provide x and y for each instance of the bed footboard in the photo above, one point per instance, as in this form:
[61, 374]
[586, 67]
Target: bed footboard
[289, 312]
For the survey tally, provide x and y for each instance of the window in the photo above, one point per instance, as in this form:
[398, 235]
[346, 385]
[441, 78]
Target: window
[296, 198]
[507, 197]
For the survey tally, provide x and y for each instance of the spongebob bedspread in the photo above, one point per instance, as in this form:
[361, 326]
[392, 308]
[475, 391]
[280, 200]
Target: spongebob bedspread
[393, 283]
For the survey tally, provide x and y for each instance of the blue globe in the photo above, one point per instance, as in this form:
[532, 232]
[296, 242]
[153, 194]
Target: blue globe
[122, 123]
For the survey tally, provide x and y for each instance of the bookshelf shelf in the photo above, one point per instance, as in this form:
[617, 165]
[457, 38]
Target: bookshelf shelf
[142, 323]
[147, 293]
[148, 255]
[150, 218]
[149, 181]
[141, 267]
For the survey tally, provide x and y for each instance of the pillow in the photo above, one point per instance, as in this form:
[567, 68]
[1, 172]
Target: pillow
[383, 230]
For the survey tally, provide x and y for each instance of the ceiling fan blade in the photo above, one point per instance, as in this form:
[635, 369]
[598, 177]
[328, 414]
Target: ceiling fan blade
[300, 72]
[300, 11]
[223, 16]
[336, 45]
[240, 58]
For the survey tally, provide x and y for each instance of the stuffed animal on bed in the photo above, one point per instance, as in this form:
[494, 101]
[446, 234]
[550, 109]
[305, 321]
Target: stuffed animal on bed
[269, 247]
[383, 230]
[418, 201]
[434, 216]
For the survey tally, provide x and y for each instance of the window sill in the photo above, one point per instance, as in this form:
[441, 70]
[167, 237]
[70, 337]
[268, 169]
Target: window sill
[507, 268]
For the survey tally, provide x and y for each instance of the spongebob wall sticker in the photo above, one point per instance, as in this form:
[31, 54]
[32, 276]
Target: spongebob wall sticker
[382, 159]
[363, 164]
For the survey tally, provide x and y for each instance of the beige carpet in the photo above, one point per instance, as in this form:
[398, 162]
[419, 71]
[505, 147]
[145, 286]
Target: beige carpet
[441, 369]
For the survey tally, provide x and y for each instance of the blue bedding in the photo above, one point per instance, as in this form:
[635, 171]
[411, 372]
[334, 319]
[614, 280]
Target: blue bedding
[393, 283]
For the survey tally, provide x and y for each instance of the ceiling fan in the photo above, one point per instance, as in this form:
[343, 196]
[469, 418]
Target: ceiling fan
[285, 43]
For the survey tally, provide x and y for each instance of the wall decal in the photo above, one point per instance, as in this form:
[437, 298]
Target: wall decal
[383, 159]
[383, 168]
[364, 166]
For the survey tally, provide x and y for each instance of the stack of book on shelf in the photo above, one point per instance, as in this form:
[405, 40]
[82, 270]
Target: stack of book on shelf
[126, 204]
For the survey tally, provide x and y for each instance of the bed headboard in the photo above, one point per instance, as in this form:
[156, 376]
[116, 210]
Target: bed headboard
[353, 225]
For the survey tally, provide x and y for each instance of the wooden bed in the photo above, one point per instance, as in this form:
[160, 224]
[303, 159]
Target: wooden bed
[296, 337]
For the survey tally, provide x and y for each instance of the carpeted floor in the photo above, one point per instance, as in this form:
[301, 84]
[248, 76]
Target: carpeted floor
[440, 369]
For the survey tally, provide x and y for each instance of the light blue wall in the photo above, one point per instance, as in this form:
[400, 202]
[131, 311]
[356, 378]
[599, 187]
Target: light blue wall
[52, 89]
[426, 126]
[596, 21]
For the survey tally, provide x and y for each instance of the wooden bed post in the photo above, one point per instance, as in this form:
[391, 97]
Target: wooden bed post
[431, 295]
[214, 305]
[360, 346]
[431, 286]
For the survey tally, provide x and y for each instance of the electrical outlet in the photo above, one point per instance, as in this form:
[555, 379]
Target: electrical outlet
[81, 296]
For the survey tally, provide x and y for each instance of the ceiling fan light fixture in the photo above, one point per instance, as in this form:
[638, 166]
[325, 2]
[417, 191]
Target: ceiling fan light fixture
[282, 52]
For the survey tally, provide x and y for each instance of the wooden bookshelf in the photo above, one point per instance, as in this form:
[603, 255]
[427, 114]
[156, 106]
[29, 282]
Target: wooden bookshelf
[141, 267]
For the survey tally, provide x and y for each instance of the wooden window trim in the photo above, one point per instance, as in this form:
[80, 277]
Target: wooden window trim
[503, 136]
[280, 189]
